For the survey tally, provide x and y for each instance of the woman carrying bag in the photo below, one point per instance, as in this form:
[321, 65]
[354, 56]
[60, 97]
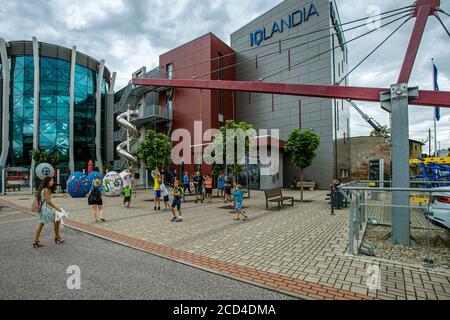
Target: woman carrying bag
[46, 211]
[95, 200]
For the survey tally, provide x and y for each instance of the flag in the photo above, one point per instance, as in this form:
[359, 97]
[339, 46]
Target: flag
[437, 110]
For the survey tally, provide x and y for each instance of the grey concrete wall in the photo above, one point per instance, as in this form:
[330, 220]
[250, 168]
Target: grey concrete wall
[318, 114]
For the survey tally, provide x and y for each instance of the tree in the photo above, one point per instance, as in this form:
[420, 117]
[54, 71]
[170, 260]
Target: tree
[52, 157]
[235, 166]
[155, 150]
[302, 145]
[385, 132]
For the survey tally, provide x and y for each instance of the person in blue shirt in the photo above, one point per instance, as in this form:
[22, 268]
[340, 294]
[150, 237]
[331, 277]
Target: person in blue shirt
[222, 186]
[186, 183]
[238, 195]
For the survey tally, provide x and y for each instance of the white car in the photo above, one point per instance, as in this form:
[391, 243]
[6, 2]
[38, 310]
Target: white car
[439, 210]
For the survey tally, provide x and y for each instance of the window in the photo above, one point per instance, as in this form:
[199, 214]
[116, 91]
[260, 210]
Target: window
[220, 75]
[169, 69]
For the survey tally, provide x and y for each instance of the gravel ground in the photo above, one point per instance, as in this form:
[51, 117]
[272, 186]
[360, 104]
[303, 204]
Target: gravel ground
[379, 237]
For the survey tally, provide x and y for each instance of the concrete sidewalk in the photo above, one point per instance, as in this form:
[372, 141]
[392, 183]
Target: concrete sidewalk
[300, 249]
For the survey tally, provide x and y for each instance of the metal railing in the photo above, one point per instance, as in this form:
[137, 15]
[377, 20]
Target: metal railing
[371, 207]
[154, 111]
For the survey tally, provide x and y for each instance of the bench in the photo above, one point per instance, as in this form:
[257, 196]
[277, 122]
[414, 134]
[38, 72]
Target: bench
[275, 195]
[311, 185]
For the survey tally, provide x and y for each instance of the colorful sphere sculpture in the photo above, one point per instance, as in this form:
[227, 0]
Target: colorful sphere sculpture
[78, 185]
[112, 184]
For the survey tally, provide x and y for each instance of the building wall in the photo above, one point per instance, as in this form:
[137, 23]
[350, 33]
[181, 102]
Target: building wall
[194, 105]
[288, 112]
[365, 149]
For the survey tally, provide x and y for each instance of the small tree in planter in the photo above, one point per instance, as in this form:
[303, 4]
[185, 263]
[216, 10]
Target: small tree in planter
[303, 146]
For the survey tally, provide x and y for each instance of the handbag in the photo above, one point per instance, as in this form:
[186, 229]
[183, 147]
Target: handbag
[36, 206]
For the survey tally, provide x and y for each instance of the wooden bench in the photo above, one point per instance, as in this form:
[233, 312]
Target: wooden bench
[275, 195]
[311, 185]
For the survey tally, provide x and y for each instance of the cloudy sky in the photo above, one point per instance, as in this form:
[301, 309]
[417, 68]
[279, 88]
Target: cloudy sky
[129, 34]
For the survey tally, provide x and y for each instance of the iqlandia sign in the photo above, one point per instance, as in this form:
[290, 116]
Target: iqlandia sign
[293, 20]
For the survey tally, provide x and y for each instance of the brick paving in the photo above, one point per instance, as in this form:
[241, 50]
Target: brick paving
[299, 250]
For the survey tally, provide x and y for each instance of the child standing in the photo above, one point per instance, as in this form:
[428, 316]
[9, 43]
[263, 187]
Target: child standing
[208, 188]
[227, 186]
[157, 192]
[127, 196]
[165, 195]
[176, 203]
[239, 198]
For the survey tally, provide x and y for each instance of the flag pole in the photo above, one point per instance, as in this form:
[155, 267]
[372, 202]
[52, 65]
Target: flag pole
[434, 113]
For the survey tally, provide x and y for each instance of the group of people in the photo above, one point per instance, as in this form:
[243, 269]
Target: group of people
[202, 185]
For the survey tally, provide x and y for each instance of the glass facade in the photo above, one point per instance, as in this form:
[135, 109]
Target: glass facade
[22, 104]
[84, 131]
[54, 106]
[54, 101]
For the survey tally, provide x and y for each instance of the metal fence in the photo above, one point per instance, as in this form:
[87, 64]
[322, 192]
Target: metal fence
[370, 222]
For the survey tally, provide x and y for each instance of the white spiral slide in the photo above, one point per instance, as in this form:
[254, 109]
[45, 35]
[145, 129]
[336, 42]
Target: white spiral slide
[122, 149]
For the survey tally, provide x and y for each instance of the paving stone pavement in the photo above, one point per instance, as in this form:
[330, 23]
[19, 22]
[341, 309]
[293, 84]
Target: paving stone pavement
[303, 243]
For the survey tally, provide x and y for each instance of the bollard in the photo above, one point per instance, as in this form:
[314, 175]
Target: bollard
[351, 248]
[58, 180]
[3, 181]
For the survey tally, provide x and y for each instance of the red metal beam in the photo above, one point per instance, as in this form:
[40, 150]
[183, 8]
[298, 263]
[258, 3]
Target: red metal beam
[426, 98]
[423, 9]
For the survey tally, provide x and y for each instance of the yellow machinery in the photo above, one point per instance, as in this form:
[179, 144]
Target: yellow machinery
[440, 160]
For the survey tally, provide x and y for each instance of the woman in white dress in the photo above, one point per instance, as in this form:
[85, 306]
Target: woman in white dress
[46, 214]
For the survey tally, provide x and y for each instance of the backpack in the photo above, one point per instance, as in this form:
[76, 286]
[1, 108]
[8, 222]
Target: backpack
[36, 206]
[94, 196]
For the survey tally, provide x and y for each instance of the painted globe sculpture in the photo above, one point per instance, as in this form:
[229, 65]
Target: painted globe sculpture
[78, 185]
[94, 175]
[112, 184]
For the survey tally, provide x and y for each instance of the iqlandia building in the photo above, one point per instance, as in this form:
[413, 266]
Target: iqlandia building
[299, 42]
[54, 99]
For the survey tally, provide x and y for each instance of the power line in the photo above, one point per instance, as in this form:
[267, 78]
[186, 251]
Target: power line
[373, 51]
[442, 23]
[442, 11]
[402, 10]
[322, 53]
[289, 48]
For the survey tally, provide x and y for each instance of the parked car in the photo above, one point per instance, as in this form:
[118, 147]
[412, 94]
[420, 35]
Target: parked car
[439, 209]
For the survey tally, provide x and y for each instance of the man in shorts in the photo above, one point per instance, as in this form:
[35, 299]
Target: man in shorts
[199, 184]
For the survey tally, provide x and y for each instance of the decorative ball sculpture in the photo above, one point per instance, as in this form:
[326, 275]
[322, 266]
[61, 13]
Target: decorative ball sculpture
[45, 170]
[94, 175]
[112, 184]
[78, 185]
